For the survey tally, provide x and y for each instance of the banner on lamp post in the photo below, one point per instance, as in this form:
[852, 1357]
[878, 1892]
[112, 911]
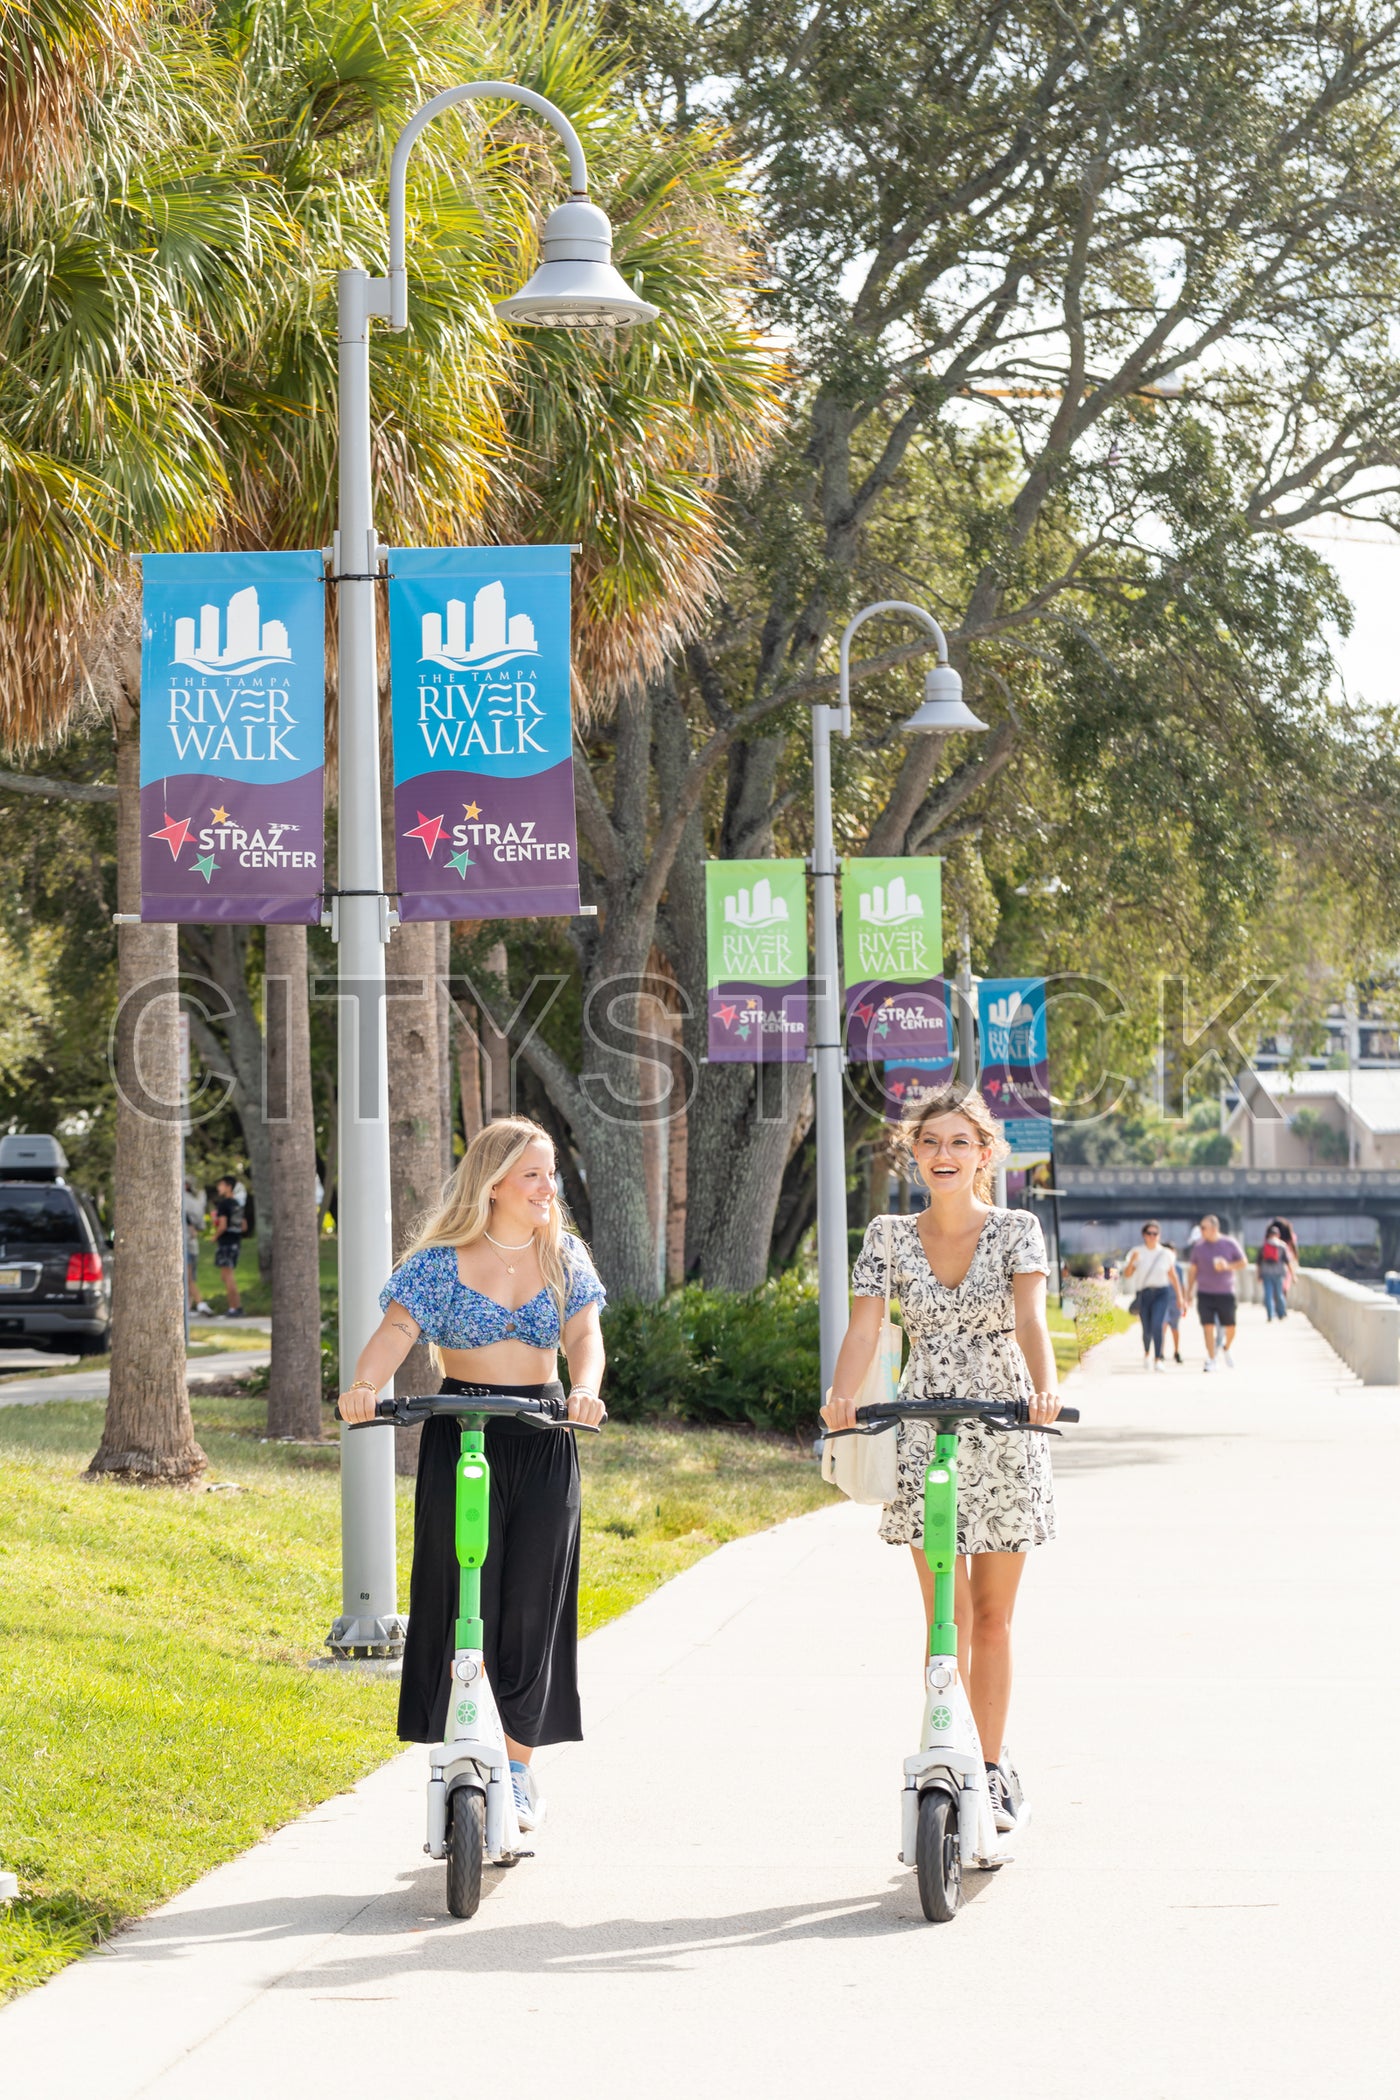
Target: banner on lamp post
[892, 939]
[756, 924]
[911, 1081]
[1015, 1061]
[479, 645]
[233, 712]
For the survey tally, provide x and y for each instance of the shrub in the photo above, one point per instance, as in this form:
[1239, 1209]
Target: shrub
[718, 1356]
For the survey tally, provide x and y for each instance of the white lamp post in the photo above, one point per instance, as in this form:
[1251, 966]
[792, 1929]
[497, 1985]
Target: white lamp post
[943, 710]
[575, 286]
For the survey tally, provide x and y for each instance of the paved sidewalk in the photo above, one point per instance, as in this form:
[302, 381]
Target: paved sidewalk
[716, 1907]
[92, 1385]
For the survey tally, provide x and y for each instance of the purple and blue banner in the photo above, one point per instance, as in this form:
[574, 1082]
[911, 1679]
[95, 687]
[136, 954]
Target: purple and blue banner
[1015, 1061]
[233, 711]
[756, 926]
[892, 938]
[480, 657]
[911, 1081]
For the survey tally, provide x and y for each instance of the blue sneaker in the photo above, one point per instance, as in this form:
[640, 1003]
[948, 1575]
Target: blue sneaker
[529, 1807]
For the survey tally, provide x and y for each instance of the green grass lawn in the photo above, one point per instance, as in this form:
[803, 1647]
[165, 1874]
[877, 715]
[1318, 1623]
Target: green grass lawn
[255, 1295]
[158, 1708]
[1065, 1336]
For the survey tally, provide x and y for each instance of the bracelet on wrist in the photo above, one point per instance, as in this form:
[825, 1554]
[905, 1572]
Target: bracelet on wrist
[365, 1385]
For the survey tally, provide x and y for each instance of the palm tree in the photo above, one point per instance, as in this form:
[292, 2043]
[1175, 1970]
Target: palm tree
[127, 244]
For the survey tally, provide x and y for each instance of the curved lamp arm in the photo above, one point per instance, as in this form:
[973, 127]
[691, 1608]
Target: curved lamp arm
[868, 612]
[470, 91]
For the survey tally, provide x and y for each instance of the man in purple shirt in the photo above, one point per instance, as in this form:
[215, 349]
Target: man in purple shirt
[1214, 1260]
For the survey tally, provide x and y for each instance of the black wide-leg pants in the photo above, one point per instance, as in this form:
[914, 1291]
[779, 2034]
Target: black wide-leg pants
[529, 1580]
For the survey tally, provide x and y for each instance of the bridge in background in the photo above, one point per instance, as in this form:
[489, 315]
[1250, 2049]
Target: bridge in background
[1243, 1198]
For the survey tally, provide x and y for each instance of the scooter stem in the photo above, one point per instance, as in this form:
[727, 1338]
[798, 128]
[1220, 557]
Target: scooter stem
[941, 1539]
[473, 1517]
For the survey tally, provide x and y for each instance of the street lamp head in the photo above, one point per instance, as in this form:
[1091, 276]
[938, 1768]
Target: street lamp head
[944, 709]
[576, 285]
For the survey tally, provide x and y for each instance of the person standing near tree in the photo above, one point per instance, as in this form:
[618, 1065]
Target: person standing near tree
[194, 1226]
[1215, 1260]
[229, 1228]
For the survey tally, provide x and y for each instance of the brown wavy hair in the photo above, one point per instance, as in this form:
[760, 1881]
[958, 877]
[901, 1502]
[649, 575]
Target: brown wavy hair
[963, 1101]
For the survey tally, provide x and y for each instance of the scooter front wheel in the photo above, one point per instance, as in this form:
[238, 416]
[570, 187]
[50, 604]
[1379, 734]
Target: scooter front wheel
[937, 1856]
[466, 1833]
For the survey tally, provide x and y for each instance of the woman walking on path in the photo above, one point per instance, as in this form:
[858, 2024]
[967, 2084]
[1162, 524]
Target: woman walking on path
[970, 1280]
[495, 1283]
[1275, 1265]
[1151, 1269]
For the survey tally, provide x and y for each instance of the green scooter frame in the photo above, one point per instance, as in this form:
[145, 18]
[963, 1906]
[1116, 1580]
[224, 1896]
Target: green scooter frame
[471, 1802]
[946, 1820]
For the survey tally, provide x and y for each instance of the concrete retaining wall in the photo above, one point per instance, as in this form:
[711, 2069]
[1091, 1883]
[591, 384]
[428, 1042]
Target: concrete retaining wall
[1362, 1325]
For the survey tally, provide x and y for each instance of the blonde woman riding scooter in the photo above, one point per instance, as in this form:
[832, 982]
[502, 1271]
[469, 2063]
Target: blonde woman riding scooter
[497, 1285]
[971, 1283]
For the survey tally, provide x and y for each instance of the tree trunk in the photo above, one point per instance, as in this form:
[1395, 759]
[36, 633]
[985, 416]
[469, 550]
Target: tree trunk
[222, 952]
[495, 1048]
[294, 1390]
[147, 1433]
[677, 1166]
[415, 1133]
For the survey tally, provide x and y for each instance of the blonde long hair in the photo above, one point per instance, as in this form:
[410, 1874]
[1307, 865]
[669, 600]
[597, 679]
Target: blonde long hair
[465, 1211]
[961, 1101]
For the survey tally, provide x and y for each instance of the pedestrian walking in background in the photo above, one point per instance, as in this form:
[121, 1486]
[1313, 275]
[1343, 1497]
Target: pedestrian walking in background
[1151, 1269]
[1274, 1264]
[1176, 1304]
[1215, 1260]
[229, 1228]
[194, 1208]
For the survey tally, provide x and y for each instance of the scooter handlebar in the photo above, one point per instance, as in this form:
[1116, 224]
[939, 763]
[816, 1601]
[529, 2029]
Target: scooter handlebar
[419, 1407]
[1007, 1414]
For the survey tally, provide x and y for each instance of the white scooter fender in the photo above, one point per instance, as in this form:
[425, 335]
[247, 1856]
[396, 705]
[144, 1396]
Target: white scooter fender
[473, 1753]
[951, 1757]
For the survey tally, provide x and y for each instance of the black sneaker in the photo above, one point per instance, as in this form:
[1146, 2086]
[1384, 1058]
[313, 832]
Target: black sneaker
[1003, 1814]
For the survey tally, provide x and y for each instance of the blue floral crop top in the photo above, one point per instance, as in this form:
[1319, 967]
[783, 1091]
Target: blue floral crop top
[453, 1315]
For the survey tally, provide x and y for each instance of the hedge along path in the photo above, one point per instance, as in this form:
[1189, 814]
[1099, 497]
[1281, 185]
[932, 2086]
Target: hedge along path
[158, 1708]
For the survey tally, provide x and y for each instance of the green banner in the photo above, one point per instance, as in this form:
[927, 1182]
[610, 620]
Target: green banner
[756, 922]
[892, 941]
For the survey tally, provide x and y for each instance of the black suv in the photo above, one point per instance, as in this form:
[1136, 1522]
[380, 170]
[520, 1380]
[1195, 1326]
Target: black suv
[55, 1260]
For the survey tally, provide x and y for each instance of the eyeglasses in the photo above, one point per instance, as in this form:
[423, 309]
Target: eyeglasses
[1151, 1233]
[956, 1148]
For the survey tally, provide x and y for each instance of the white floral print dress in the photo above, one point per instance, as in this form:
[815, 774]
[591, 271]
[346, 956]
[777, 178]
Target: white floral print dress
[962, 1343]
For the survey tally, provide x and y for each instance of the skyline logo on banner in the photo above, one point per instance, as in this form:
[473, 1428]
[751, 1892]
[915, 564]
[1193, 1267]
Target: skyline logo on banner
[483, 732]
[232, 737]
[497, 636]
[249, 642]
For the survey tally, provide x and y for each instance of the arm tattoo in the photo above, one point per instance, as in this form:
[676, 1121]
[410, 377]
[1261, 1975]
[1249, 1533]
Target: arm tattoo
[406, 1327]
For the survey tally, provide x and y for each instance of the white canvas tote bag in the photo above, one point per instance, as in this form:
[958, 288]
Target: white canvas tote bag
[864, 1467]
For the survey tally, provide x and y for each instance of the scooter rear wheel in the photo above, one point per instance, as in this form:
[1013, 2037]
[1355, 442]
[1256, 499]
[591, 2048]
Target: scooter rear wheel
[466, 1831]
[937, 1856]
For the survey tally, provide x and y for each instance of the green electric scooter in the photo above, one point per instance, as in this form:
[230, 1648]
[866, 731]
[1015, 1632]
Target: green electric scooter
[946, 1820]
[471, 1803]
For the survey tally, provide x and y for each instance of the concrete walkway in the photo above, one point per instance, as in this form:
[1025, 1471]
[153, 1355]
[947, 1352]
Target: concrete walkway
[1206, 1905]
[92, 1385]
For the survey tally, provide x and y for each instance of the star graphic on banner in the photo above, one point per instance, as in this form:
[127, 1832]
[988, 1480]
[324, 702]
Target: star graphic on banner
[429, 830]
[726, 1014]
[175, 831]
[864, 1013]
[220, 815]
[460, 862]
[472, 809]
[205, 866]
[992, 1087]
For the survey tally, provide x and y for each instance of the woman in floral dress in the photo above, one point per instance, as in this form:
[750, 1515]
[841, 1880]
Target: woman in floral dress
[971, 1282]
